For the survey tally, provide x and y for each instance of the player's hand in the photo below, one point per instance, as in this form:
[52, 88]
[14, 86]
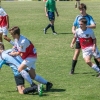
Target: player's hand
[57, 15]
[72, 46]
[74, 32]
[46, 15]
[93, 49]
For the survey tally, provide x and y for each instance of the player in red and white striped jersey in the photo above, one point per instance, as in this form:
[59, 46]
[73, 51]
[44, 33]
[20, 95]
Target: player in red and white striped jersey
[28, 53]
[4, 25]
[88, 43]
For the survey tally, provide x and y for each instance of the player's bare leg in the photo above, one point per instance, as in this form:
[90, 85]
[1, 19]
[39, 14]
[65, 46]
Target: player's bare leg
[92, 65]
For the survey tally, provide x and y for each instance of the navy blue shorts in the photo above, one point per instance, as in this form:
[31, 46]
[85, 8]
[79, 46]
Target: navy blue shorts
[78, 46]
[19, 80]
[51, 15]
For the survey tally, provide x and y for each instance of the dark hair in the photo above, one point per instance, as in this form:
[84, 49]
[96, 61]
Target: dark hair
[83, 20]
[81, 6]
[15, 30]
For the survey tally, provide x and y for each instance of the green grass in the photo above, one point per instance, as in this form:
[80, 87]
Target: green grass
[54, 52]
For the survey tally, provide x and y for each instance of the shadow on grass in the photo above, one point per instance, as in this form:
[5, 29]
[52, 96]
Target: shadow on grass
[44, 92]
[86, 73]
[56, 90]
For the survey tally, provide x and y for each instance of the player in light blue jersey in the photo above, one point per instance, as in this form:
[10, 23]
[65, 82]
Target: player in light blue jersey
[14, 62]
[90, 24]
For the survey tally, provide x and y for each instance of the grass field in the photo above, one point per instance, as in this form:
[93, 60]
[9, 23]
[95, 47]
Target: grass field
[54, 52]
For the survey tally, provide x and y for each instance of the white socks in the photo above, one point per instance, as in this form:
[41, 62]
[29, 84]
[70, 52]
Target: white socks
[40, 79]
[95, 67]
[26, 76]
[37, 78]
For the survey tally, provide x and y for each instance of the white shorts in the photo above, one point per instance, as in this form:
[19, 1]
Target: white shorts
[88, 52]
[30, 62]
[4, 30]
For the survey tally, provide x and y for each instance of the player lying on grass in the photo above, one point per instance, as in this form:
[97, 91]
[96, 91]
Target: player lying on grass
[13, 62]
[88, 44]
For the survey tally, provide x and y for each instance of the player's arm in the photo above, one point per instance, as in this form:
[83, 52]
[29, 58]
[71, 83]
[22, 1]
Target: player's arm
[73, 29]
[94, 41]
[94, 45]
[92, 23]
[56, 11]
[14, 53]
[7, 19]
[73, 42]
[93, 26]
[46, 11]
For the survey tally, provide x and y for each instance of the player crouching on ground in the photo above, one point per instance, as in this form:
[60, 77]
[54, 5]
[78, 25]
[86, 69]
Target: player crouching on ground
[5, 58]
[88, 44]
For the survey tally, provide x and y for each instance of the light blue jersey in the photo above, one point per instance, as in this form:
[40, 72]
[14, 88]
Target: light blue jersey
[13, 62]
[89, 19]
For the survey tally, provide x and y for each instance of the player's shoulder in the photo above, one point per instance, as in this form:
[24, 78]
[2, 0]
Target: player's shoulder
[90, 30]
[79, 29]
[22, 38]
[79, 16]
[89, 16]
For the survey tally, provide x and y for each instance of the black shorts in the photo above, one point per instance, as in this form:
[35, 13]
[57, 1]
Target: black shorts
[78, 46]
[19, 80]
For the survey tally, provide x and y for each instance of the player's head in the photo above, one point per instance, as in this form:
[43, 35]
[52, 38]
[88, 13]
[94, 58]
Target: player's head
[14, 31]
[82, 6]
[83, 20]
[2, 46]
[83, 23]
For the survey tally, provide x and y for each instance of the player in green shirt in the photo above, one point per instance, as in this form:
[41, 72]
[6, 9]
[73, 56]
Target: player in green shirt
[50, 9]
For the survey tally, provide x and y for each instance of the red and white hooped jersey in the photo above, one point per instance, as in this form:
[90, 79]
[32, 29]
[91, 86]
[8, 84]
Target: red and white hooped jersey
[85, 37]
[26, 48]
[3, 21]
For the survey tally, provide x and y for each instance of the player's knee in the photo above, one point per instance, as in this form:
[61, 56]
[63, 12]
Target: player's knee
[33, 76]
[87, 62]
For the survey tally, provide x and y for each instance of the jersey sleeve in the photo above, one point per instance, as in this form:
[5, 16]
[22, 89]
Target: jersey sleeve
[92, 21]
[75, 21]
[23, 46]
[2, 12]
